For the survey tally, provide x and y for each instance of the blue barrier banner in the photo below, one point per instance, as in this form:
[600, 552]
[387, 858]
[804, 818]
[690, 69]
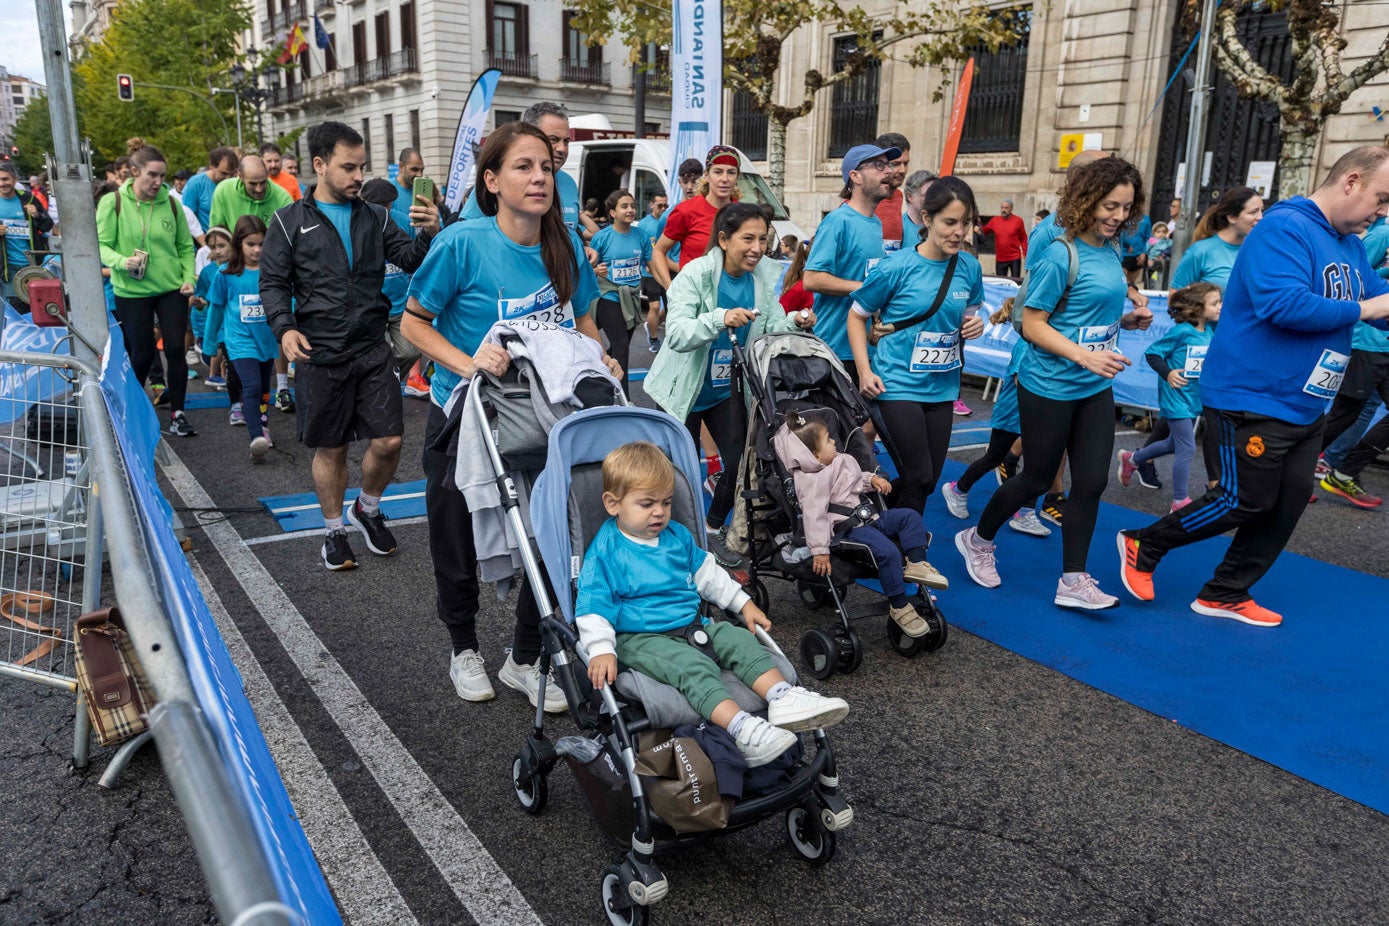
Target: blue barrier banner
[216, 680]
[21, 385]
[1136, 386]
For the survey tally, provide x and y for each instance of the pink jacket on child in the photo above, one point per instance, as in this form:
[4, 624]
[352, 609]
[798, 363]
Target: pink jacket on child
[818, 486]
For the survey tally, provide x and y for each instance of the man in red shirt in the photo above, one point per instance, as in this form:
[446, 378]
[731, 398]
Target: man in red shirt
[1010, 241]
[690, 223]
[889, 211]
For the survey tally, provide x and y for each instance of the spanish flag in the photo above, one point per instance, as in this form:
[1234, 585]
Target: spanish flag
[294, 45]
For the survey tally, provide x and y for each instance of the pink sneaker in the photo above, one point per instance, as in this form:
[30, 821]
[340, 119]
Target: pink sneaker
[961, 408]
[1126, 468]
[1180, 503]
[979, 558]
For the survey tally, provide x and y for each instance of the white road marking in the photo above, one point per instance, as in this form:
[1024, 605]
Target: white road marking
[318, 532]
[314, 506]
[356, 875]
[466, 866]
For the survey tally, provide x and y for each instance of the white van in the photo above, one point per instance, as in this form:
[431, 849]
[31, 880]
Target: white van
[600, 165]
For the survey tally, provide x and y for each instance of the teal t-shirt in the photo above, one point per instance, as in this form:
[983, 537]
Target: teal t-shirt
[1209, 260]
[396, 288]
[911, 232]
[1005, 414]
[1090, 318]
[652, 229]
[1040, 238]
[474, 276]
[1183, 349]
[847, 245]
[340, 214]
[235, 310]
[565, 187]
[400, 209]
[1367, 337]
[641, 588]
[14, 224]
[625, 254]
[1377, 246]
[920, 363]
[734, 293]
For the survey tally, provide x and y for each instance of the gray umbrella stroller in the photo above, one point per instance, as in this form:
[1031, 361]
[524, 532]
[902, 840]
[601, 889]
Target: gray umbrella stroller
[566, 511]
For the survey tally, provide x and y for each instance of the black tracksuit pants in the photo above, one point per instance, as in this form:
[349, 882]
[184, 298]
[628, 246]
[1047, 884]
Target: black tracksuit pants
[1264, 471]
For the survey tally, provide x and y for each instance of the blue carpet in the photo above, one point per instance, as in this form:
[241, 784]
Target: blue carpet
[1306, 696]
[301, 512]
[196, 400]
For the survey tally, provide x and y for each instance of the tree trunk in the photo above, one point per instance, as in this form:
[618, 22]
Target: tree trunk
[776, 157]
[1295, 161]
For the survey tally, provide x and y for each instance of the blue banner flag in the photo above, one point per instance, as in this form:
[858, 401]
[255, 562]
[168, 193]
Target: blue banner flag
[470, 127]
[696, 73]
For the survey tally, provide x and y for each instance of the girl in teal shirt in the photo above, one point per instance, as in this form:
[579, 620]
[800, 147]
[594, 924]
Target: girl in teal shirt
[234, 309]
[1065, 401]
[622, 255]
[914, 375]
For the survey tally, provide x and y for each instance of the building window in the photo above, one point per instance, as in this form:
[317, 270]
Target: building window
[305, 65]
[366, 142]
[390, 137]
[854, 106]
[407, 25]
[749, 127]
[359, 43]
[503, 116]
[415, 129]
[508, 32]
[993, 121]
[383, 34]
[582, 62]
[330, 54]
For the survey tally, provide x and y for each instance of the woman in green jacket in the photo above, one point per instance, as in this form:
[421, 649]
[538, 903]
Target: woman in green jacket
[145, 241]
[729, 292]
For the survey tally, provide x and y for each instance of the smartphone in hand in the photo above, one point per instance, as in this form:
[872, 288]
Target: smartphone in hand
[424, 187]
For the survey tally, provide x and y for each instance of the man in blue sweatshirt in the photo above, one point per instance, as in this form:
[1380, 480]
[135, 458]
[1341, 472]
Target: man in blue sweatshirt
[1300, 284]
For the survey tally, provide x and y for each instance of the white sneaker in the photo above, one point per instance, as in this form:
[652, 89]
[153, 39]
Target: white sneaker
[800, 709]
[470, 676]
[1085, 594]
[760, 742]
[192, 357]
[956, 502]
[979, 558]
[526, 679]
[1025, 521]
[260, 446]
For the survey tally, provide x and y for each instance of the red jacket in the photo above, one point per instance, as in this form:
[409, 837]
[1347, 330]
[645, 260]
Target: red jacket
[1010, 237]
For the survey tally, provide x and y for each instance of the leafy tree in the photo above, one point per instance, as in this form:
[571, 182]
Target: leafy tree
[756, 32]
[179, 43]
[33, 135]
[1319, 85]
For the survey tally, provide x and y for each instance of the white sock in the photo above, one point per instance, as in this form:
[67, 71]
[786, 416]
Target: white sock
[777, 690]
[332, 525]
[1342, 476]
[282, 381]
[737, 722]
[370, 503]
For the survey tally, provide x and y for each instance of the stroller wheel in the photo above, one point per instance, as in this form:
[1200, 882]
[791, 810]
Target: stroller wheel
[815, 844]
[903, 644]
[532, 790]
[820, 653]
[812, 596]
[940, 630]
[850, 649]
[621, 909]
[758, 592]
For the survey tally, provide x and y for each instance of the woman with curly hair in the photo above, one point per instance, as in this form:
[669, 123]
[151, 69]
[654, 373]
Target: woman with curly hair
[1065, 399]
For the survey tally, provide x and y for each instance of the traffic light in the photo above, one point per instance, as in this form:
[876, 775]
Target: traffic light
[125, 87]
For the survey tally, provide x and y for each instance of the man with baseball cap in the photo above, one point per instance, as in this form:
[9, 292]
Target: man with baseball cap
[848, 243]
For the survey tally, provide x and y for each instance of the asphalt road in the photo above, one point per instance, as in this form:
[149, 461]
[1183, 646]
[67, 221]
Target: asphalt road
[988, 789]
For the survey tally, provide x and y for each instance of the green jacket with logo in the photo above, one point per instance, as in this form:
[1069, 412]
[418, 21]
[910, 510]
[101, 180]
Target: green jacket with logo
[157, 227]
[230, 201]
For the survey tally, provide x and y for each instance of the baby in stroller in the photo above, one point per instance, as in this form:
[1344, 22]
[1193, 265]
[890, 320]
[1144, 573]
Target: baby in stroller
[830, 487]
[639, 594]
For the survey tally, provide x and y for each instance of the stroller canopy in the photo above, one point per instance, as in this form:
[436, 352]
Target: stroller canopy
[586, 437]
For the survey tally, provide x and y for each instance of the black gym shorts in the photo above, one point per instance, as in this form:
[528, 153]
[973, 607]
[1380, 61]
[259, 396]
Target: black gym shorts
[358, 399]
[652, 290]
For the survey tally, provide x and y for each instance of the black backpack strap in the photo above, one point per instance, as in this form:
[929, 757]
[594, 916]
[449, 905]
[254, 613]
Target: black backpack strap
[949, 276]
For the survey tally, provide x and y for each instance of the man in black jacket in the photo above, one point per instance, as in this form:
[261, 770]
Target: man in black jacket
[328, 253]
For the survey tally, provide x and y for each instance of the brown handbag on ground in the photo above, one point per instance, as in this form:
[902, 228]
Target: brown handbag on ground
[680, 782]
[110, 677]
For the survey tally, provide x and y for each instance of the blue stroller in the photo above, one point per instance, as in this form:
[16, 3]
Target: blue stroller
[566, 511]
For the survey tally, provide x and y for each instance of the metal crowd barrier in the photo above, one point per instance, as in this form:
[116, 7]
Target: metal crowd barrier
[65, 502]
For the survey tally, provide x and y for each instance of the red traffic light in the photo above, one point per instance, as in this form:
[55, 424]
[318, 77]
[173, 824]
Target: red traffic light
[125, 87]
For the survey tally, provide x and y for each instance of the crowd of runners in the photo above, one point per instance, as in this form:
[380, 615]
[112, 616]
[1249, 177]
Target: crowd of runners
[248, 273]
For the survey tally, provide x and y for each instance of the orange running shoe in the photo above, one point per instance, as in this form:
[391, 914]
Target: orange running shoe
[416, 386]
[1246, 611]
[1138, 582]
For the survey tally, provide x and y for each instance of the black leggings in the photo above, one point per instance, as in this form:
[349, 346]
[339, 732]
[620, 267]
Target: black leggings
[917, 437]
[136, 315]
[613, 324]
[727, 427]
[1000, 445]
[1052, 429]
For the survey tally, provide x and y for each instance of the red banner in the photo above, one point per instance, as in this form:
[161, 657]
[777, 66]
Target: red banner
[957, 121]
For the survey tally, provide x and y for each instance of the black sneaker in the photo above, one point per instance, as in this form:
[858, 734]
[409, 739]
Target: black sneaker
[1053, 508]
[718, 545]
[378, 536]
[336, 553]
[1007, 469]
[1148, 476]
[161, 395]
[180, 426]
[284, 401]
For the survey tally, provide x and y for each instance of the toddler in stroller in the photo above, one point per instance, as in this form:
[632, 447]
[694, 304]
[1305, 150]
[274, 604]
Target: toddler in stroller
[639, 595]
[831, 489]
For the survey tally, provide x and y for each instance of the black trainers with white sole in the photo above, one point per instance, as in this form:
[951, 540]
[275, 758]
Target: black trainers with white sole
[337, 553]
[378, 536]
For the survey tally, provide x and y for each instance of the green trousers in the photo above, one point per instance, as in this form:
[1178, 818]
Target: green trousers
[694, 675]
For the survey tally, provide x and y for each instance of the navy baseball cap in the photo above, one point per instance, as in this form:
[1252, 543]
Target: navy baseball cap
[860, 153]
